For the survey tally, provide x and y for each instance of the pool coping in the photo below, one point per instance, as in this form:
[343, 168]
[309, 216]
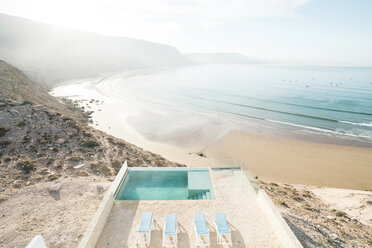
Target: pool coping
[168, 168]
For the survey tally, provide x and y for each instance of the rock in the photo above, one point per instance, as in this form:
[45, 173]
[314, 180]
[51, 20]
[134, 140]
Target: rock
[56, 187]
[60, 141]
[330, 217]
[72, 132]
[201, 154]
[54, 191]
[18, 183]
[13, 111]
[78, 166]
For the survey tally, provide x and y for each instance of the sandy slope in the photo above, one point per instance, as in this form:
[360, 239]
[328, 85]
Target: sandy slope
[355, 203]
[59, 210]
[324, 217]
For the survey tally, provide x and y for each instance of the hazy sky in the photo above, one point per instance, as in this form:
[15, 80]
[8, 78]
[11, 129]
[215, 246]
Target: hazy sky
[335, 32]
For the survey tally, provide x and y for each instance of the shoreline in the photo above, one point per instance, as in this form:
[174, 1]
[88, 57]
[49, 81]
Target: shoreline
[271, 158]
[271, 154]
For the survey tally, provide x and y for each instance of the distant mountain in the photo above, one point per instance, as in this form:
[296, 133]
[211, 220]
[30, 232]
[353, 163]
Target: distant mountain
[221, 58]
[52, 54]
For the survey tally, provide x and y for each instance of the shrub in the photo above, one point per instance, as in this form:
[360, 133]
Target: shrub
[329, 240]
[105, 170]
[91, 144]
[283, 203]
[116, 164]
[307, 207]
[21, 124]
[3, 131]
[26, 166]
[340, 214]
[5, 143]
[94, 166]
[75, 159]
[53, 177]
[297, 198]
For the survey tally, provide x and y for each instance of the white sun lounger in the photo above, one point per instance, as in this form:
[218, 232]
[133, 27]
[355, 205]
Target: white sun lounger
[144, 228]
[170, 231]
[223, 230]
[201, 229]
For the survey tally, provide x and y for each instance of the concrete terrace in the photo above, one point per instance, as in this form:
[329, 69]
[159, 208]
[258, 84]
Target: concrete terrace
[234, 196]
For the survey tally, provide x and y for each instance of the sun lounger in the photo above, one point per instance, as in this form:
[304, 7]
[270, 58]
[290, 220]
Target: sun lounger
[144, 228]
[170, 231]
[223, 230]
[201, 229]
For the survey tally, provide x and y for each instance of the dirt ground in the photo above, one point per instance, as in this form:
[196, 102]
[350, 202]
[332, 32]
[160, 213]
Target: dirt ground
[60, 211]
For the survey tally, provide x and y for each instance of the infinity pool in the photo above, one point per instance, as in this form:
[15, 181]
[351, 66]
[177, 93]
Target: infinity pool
[166, 184]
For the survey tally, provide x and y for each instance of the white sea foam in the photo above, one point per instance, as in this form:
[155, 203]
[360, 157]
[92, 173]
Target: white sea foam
[336, 132]
[357, 124]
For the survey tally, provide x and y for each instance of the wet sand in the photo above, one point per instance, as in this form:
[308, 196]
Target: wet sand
[292, 161]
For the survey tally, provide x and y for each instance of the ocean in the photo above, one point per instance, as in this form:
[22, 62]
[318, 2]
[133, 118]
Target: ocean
[333, 101]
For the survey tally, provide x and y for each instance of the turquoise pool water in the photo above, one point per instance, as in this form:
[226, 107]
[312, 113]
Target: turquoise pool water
[166, 184]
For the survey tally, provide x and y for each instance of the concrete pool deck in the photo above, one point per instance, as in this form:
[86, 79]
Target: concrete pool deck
[234, 196]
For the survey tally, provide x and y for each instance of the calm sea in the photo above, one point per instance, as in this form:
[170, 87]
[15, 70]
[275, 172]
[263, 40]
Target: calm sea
[323, 100]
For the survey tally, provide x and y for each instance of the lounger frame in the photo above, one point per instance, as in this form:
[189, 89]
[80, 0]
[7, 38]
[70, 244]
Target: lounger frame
[170, 235]
[219, 236]
[198, 239]
[147, 235]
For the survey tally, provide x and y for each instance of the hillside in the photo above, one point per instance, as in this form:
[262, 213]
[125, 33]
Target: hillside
[54, 168]
[324, 217]
[52, 54]
[38, 144]
[54, 172]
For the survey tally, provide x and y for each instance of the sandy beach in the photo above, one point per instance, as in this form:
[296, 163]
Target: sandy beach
[270, 158]
[293, 161]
